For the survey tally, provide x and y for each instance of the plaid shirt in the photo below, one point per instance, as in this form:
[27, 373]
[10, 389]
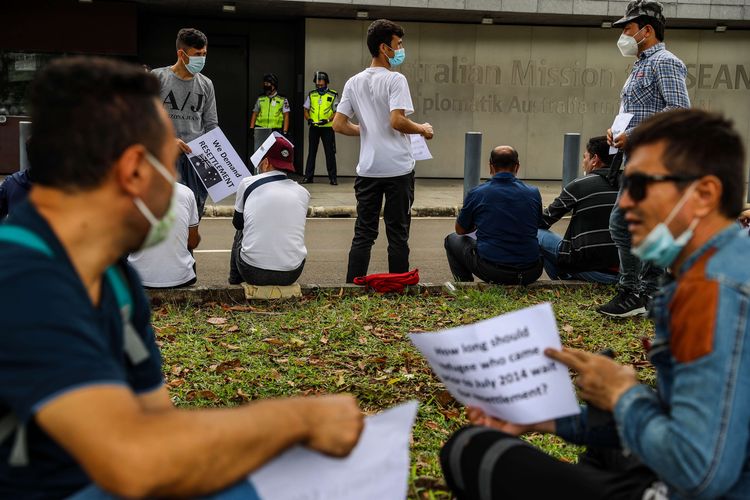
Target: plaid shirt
[656, 83]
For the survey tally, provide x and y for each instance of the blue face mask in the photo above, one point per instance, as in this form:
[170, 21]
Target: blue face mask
[196, 64]
[398, 58]
[322, 90]
[661, 248]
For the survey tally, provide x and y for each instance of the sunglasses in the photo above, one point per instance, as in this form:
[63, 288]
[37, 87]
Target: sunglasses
[636, 184]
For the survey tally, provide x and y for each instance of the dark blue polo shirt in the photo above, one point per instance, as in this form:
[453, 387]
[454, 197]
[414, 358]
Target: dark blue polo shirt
[506, 214]
[53, 340]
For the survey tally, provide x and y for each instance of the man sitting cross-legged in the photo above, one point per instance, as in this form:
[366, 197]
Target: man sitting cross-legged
[269, 215]
[587, 251]
[689, 436]
[83, 405]
[505, 213]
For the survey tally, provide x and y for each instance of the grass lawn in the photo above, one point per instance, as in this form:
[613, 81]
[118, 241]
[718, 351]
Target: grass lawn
[224, 354]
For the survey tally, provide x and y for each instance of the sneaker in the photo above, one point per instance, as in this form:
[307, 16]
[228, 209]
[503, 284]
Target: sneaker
[624, 305]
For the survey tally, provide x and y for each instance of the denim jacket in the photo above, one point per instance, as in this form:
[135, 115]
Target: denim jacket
[694, 430]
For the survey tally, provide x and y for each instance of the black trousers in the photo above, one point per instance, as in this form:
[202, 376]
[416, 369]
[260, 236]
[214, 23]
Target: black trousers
[465, 262]
[482, 463]
[189, 177]
[240, 271]
[328, 137]
[399, 196]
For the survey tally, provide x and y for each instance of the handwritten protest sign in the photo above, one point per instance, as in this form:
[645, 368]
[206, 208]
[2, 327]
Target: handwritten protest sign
[218, 165]
[377, 468]
[499, 365]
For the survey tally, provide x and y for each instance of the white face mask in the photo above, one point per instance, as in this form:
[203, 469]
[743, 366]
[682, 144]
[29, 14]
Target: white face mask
[628, 45]
[160, 228]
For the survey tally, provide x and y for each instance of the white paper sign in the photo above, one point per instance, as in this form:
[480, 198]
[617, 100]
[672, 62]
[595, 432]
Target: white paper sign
[618, 127]
[218, 165]
[419, 149]
[499, 365]
[377, 468]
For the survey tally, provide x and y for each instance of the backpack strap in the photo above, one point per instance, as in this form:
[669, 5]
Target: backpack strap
[23, 237]
[238, 218]
[255, 185]
[134, 346]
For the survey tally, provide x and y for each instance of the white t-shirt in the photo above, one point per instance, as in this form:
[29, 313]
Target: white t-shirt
[273, 237]
[370, 96]
[170, 263]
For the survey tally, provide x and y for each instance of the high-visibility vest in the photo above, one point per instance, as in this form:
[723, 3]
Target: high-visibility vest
[321, 106]
[271, 113]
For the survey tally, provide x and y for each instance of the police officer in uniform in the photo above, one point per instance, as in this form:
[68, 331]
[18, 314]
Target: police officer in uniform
[271, 110]
[320, 106]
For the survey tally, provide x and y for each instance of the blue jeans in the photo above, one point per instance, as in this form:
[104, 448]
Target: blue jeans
[242, 490]
[549, 244]
[636, 276]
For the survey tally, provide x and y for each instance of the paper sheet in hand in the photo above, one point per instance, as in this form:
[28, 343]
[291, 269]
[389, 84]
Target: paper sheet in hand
[499, 365]
[618, 127]
[419, 149]
[377, 468]
[218, 165]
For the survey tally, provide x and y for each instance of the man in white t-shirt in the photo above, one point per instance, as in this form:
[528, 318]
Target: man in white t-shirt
[269, 214]
[380, 100]
[170, 264]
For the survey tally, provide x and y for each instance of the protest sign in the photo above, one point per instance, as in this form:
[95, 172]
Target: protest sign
[419, 149]
[377, 468]
[218, 165]
[499, 365]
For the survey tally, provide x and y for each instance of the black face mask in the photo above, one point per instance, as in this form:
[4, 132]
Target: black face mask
[268, 89]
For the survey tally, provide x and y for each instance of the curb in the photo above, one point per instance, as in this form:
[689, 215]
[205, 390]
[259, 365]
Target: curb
[236, 294]
[341, 211]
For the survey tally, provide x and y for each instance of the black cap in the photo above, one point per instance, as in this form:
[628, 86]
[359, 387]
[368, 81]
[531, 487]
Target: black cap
[320, 75]
[641, 8]
[272, 79]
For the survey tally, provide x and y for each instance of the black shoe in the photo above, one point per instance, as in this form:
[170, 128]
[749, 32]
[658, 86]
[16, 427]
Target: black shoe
[624, 305]
[334, 182]
[235, 281]
[307, 181]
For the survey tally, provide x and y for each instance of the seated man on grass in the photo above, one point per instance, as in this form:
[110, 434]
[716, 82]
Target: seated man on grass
[587, 251]
[505, 213]
[689, 437]
[269, 215]
[171, 264]
[83, 405]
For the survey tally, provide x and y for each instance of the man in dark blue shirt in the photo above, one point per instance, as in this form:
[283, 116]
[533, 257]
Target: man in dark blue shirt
[82, 400]
[13, 190]
[505, 213]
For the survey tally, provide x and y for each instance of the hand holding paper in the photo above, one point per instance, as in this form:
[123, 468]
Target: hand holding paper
[601, 380]
[419, 149]
[618, 127]
[499, 366]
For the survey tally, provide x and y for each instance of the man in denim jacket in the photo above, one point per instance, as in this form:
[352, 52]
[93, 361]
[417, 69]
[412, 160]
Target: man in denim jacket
[690, 437]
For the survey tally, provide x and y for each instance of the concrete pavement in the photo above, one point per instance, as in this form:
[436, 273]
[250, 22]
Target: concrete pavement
[432, 197]
[328, 241]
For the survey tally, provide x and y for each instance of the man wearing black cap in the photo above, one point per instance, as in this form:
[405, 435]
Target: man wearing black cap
[319, 107]
[271, 110]
[656, 83]
[269, 215]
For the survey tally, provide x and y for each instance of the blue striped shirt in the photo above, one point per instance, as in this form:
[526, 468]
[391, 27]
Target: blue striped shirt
[656, 84]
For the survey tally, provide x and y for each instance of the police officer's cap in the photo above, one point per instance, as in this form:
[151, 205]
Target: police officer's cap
[320, 75]
[272, 79]
[641, 8]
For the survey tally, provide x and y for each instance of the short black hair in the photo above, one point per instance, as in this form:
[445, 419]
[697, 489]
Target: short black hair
[85, 111]
[657, 25]
[698, 143]
[598, 146]
[504, 160]
[382, 31]
[190, 38]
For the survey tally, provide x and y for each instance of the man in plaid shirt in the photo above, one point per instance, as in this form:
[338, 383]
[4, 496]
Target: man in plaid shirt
[656, 83]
